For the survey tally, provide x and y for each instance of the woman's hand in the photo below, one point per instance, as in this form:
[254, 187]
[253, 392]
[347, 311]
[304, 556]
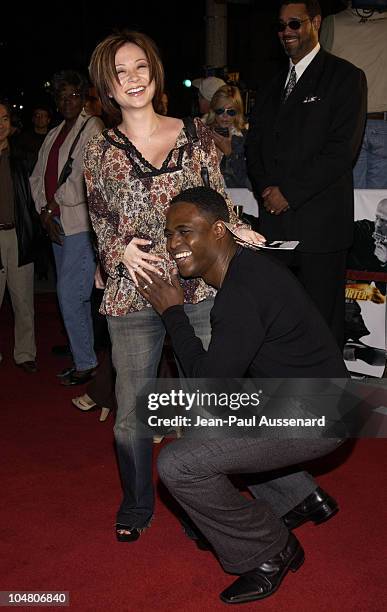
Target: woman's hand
[248, 235]
[223, 143]
[137, 261]
[160, 293]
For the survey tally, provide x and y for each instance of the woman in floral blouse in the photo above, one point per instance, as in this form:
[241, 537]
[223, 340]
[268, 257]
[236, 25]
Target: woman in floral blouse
[132, 172]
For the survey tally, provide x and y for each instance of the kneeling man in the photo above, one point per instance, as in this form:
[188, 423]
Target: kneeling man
[264, 326]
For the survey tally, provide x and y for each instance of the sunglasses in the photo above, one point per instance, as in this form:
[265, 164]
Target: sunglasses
[293, 24]
[231, 112]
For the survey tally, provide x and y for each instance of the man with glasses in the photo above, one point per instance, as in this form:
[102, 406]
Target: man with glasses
[59, 193]
[304, 135]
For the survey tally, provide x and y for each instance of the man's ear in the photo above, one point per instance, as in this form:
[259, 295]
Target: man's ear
[219, 229]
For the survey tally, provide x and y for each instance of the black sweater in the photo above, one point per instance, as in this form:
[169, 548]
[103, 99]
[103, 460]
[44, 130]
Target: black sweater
[263, 325]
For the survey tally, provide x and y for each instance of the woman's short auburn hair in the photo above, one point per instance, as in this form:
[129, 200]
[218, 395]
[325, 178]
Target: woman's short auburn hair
[103, 74]
[232, 93]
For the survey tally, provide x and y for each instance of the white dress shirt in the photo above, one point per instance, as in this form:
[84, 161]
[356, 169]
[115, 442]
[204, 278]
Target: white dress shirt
[302, 65]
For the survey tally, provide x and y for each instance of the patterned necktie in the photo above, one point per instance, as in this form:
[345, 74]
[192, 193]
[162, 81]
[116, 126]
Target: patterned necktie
[290, 85]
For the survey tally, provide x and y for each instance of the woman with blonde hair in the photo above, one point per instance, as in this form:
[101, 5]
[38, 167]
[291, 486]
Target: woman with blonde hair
[132, 172]
[227, 122]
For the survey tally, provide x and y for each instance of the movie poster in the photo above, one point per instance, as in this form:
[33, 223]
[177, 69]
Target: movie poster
[365, 318]
[365, 327]
[369, 249]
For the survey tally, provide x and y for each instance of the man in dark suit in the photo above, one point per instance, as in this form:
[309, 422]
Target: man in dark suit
[304, 135]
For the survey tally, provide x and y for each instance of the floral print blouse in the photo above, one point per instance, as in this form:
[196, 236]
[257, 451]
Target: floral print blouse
[128, 198]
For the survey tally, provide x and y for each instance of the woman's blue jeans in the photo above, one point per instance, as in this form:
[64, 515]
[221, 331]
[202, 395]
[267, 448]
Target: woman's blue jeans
[137, 343]
[75, 267]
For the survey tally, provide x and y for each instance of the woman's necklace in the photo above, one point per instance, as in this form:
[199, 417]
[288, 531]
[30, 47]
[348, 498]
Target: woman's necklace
[147, 138]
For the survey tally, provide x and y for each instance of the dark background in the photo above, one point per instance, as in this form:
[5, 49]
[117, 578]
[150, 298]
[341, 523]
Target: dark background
[41, 38]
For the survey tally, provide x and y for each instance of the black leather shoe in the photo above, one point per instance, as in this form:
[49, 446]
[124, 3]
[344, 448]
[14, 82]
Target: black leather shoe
[28, 366]
[267, 577]
[78, 378]
[317, 507]
[66, 372]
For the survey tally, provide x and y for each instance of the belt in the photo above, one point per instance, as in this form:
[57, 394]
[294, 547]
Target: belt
[6, 226]
[380, 116]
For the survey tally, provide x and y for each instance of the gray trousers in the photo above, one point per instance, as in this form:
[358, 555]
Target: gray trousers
[243, 532]
[20, 282]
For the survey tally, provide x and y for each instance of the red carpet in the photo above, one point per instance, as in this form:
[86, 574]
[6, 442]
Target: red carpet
[60, 489]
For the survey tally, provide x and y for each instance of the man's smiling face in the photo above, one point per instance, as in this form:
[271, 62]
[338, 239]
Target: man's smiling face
[298, 43]
[191, 241]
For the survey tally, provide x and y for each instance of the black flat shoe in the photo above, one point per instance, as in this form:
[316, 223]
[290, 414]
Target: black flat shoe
[317, 507]
[78, 378]
[267, 577]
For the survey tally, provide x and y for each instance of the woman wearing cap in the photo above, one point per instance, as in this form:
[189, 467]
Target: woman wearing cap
[132, 172]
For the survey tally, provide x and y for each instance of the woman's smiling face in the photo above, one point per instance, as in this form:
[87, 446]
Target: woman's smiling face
[133, 88]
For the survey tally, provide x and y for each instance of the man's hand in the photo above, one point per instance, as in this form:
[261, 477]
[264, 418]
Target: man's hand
[52, 228]
[160, 293]
[273, 200]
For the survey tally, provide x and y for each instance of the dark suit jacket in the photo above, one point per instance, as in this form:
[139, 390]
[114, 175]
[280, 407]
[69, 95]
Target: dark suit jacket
[307, 147]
